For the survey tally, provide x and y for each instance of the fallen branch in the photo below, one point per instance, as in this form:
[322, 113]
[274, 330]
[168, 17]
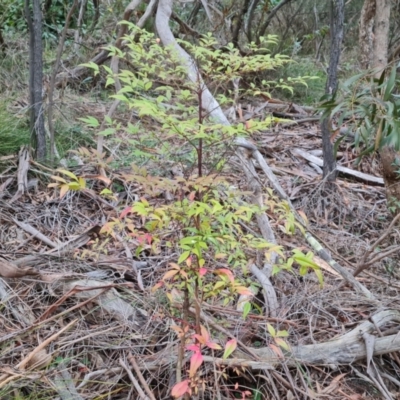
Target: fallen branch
[23, 168]
[36, 234]
[348, 171]
[344, 350]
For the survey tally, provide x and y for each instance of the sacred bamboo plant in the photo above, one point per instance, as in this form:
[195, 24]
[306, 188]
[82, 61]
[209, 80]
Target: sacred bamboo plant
[203, 219]
[370, 108]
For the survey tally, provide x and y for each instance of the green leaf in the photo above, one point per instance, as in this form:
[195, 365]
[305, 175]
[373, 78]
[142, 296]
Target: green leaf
[229, 348]
[271, 330]
[91, 121]
[246, 309]
[390, 84]
[68, 173]
[183, 256]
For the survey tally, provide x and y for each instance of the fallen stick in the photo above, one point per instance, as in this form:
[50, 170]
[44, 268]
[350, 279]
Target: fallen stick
[348, 171]
[23, 168]
[36, 234]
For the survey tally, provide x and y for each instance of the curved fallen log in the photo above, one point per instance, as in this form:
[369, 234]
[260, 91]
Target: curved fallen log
[344, 350]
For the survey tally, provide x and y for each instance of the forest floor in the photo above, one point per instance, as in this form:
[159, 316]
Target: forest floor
[78, 312]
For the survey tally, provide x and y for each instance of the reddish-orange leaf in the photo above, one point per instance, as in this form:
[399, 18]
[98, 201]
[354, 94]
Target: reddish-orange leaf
[192, 195]
[177, 329]
[63, 190]
[276, 350]
[193, 347]
[125, 212]
[213, 346]
[157, 286]
[202, 271]
[170, 274]
[204, 333]
[243, 291]
[200, 338]
[227, 272]
[180, 389]
[195, 361]
[229, 348]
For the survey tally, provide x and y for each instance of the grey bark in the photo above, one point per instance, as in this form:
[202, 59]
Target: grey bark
[381, 36]
[336, 33]
[366, 35]
[238, 23]
[38, 132]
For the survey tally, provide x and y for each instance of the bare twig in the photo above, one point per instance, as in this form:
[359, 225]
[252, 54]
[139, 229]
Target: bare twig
[141, 394]
[132, 360]
[363, 265]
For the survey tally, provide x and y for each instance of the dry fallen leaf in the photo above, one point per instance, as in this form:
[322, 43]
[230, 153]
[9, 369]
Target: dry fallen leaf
[10, 270]
[39, 360]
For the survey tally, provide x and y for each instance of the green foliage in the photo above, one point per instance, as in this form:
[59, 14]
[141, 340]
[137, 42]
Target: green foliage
[371, 107]
[12, 17]
[203, 225]
[14, 131]
[159, 90]
[306, 68]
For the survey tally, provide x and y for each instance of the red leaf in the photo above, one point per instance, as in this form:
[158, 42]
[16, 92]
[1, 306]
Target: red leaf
[125, 212]
[276, 350]
[180, 389]
[157, 286]
[204, 333]
[149, 238]
[195, 361]
[244, 291]
[192, 195]
[202, 271]
[227, 272]
[213, 346]
[193, 347]
[200, 338]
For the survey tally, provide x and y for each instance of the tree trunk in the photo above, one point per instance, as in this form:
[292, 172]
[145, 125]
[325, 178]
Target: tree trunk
[381, 36]
[36, 76]
[366, 35]
[390, 158]
[270, 16]
[374, 34]
[336, 33]
[238, 23]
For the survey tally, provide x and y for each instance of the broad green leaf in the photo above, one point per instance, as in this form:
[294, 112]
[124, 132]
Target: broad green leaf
[271, 330]
[246, 309]
[68, 173]
[91, 121]
[183, 256]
